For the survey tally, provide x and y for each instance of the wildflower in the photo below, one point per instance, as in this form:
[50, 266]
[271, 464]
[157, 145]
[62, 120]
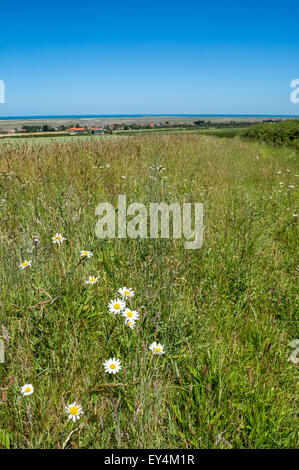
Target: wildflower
[92, 280]
[295, 215]
[25, 264]
[116, 306]
[86, 254]
[74, 411]
[130, 323]
[27, 389]
[130, 314]
[112, 365]
[126, 292]
[157, 348]
[291, 186]
[58, 238]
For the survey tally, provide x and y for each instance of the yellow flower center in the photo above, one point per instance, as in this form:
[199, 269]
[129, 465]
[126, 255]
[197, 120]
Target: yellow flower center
[58, 238]
[92, 279]
[127, 293]
[74, 411]
[158, 350]
[112, 366]
[130, 323]
[116, 306]
[85, 252]
[27, 389]
[25, 263]
[129, 314]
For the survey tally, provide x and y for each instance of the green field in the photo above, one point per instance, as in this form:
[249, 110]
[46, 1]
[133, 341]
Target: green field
[221, 132]
[44, 139]
[226, 313]
[49, 139]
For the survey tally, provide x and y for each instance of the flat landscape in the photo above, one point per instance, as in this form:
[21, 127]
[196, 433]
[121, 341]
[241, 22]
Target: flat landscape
[101, 121]
[225, 313]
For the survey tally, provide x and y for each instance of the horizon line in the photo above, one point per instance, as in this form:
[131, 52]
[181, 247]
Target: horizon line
[79, 116]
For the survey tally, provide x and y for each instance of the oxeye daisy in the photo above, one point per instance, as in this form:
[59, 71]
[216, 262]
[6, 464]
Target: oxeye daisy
[116, 306]
[74, 410]
[92, 280]
[25, 264]
[58, 238]
[130, 314]
[112, 365]
[86, 254]
[157, 348]
[27, 389]
[130, 323]
[126, 292]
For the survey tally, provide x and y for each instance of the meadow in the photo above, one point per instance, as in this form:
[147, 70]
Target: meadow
[225, 313]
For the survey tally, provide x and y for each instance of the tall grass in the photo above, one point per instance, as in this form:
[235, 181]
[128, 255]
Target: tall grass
[226, 313]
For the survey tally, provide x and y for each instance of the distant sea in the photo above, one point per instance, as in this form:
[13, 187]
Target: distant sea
[94, 116]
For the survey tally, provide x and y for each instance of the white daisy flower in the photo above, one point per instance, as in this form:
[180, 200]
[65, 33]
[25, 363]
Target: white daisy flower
[74, 410]
[295, 215]
[92, 280]
[291, 186]
[25, 264]
[27, 389]
[130, 314]
[58, 238]
[116, 306]
[112, 365]
[130, 323]
[157, 348]
[86, 254]
[126, 292]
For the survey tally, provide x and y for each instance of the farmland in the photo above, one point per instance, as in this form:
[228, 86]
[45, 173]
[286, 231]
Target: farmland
[225, 313]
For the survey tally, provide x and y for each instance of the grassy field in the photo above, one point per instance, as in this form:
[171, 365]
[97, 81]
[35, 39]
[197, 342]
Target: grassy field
[220, 132]
[45, 139]
[225, 313]
[51, 139]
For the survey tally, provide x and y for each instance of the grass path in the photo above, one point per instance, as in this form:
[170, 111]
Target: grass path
[226, 313]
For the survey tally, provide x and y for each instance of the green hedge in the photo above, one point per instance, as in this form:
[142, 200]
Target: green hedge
[280, 133]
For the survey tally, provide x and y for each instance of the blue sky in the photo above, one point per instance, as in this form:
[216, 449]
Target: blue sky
[154, 57]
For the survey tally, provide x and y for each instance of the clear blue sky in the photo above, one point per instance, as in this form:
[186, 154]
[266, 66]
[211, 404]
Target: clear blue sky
[151, 57]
